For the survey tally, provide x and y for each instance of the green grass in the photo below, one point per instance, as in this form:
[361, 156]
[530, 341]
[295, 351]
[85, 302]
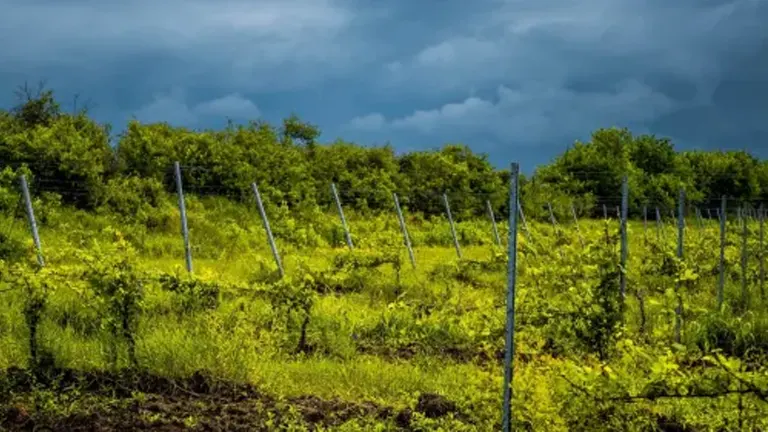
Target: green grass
[388, 336]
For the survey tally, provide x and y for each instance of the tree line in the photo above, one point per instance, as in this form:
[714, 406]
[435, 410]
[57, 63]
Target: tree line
[73, 156]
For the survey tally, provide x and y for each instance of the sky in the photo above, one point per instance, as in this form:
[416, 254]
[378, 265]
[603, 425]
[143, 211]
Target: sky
[519, 80]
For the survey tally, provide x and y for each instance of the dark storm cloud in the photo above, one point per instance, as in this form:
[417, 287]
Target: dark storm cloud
[517, 79]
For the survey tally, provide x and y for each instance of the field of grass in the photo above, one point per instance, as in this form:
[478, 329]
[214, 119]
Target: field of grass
[114, 335]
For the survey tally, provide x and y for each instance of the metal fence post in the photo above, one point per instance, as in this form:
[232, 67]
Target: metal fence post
[453, 228]
[624, 242]
[522, 220]
[721, 278]
[554, 226]
[744, 258]
[268, 230]
[403, 228]
[552, 216]
[658, 224]
[496, 237]
[347, 235]
[761, 217]
[31, 220]
[511, 276]
[183, 213]
[645, 222]
[698, 218]
[680, 242]
[576, 223]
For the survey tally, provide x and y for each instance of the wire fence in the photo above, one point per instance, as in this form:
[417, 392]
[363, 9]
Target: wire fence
[534, 256]
[656, 220]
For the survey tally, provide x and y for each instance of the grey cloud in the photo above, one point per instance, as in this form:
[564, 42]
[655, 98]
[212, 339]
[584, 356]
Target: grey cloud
[373, 121]
[234, 106]
[270, 44]
[496, 74]
[174, 109]
[661, 67]
[549, 40]
[172, 24]
[533, 112]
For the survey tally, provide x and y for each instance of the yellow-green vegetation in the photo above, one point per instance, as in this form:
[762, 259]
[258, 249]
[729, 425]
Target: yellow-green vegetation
[113, 334]
[365, 327]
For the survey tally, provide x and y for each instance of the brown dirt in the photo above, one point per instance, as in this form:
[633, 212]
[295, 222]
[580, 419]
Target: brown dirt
[140, 401]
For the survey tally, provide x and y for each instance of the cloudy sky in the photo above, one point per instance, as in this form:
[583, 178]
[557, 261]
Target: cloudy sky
[517, 79]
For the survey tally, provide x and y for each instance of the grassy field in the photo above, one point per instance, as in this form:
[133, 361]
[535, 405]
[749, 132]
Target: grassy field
[124, 339]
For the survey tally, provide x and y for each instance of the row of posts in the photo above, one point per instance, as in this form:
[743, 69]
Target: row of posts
[265, 221]
[340, 210]
[623, 215]
[514, 201]
[622, 212]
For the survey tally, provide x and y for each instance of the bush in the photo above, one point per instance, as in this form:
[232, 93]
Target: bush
[11, 248]
[141, 200]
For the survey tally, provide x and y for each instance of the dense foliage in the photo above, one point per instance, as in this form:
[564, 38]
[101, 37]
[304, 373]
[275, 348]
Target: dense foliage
[69, 153]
